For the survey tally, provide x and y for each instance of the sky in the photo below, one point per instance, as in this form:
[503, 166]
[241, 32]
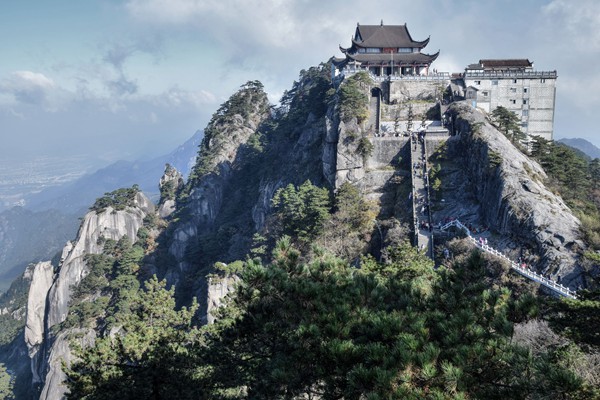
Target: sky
[126, 79]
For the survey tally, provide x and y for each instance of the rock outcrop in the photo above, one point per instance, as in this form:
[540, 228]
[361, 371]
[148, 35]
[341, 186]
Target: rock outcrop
[170, 184]
[224, 204]
[110, 224]
[42, 279]
[50, 293]
[227, 133]
[218, 289]
[507, 189]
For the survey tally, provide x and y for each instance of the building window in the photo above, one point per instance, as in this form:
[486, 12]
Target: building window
[525, 90]
[485, 94]
[373, 50]
[542, 80]
[495, 82]
[478, 82]
[524, 125]
[513, 90]
[361, 50]
[513, 102]
[405, 50]
[514, 81]
[525, 101]
[525, 113]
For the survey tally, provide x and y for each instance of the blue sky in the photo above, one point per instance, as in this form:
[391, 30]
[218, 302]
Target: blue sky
[111, 80]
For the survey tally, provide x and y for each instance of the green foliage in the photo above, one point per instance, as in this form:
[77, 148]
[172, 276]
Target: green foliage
[14, 299]
[576, 179]
[579, 319]
[118, 199]
[435, 181]
[303, 210]
[310, 94]
[105, 292]
[250, 98]
[495, 159]
[148, 358]
[259, 245]
[354, 100]
[387, 330]
[169, 189]
[6, 384]
[508, 123]
[349, 228]
[324, 329]
[231, 268]
[364, 147]
[352, 209]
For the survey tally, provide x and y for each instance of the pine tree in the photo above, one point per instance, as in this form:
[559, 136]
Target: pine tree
[303, 210]
[6, 384]
[397, 329]
[509, 124]
[149, 357]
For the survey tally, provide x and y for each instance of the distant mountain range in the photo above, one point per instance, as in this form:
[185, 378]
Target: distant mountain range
[40, 228]
[80, 194]
[582, 145]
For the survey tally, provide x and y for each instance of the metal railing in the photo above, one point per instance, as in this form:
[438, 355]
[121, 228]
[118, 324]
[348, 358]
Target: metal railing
[510, 74]
[439, 76]
[532, 275]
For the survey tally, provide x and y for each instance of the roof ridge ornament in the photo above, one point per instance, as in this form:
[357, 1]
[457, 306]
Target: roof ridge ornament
[382, 22]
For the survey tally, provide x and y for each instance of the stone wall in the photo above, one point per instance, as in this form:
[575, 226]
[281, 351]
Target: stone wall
[513, 201]
[403, 90]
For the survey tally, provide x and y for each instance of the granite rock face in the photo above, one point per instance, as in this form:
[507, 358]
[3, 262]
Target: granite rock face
[218, 289]
[54, 385]
[42, 279]
[110, 224]
[512, 199]
[50, 293]
[224, 137]
[170, 184]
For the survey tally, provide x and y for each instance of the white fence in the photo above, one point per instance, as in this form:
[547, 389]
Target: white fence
[532, 275]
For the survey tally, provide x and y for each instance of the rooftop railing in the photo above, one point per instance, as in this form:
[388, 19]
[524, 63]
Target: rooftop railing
[509, 74]
[439, 76]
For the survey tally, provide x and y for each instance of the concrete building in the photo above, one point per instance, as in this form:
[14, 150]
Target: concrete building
[515, 85]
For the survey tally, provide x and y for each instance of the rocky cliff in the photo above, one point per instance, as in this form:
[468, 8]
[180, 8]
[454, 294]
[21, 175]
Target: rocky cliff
[250, 150]
[50, 292]
[492, 183]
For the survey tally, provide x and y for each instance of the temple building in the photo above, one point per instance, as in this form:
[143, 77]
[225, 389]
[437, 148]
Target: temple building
[384, 50]
[515, 85]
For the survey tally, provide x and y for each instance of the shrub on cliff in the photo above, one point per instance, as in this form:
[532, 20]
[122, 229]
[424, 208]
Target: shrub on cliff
[117, 199]
[509, 123]
[302, 210]
[248, 100]
[354, 100]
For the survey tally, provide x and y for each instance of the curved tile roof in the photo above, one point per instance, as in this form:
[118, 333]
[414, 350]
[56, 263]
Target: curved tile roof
[385, 36]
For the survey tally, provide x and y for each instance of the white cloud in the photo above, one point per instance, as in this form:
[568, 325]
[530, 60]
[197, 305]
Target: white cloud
[177, 97]
[578, 20]
[28, 87]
